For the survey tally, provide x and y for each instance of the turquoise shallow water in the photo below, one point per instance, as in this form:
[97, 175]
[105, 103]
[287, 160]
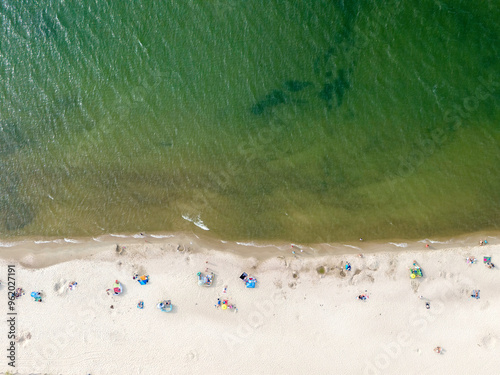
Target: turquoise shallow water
[321, 121]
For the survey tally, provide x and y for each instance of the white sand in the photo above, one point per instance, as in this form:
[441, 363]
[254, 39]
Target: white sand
[306, 324]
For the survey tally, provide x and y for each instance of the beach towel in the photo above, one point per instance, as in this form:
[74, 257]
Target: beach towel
[251, 282]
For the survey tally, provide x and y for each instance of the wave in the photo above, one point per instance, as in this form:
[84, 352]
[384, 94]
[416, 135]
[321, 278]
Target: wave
[162, 235]
[7, 244]
[354, 247]
[432, 241]
[402, 244]
[252, 244]
[198, 222]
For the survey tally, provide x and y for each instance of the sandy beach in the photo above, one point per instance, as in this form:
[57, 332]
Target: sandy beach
[304, 315]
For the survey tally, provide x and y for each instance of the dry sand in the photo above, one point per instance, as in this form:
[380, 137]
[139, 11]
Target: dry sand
[296, 321]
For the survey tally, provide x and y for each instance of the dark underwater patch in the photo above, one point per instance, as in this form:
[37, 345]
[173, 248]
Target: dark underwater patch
[327, 93]
[296, 86]
[274, 98]
[337, 88]
[340, 86]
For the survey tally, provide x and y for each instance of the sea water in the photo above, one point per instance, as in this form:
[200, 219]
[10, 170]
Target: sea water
[306, 121]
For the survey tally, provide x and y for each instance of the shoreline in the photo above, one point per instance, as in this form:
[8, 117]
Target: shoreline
[42, 252]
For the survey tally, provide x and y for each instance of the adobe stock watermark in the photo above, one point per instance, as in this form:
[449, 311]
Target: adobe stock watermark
[262, 311]
[60, 341]
[418, 321]
[456, 116]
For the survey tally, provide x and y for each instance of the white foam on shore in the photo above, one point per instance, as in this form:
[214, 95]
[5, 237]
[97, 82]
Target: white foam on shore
[403, 244]
[162, 235]
[247, 244]
[70, 240]
[432, 241]
[7, 244]
[353, 247]
[119, 235]
[255, 245]
[42, 241]
[198, 222]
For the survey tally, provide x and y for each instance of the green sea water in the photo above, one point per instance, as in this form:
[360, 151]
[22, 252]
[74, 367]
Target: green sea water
[306, 121]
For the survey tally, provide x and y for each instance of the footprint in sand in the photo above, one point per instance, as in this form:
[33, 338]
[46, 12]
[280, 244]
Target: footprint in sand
[489, 342]
[361, 278]
[192, 356]
[392, 267]
[24, 338]
[60, 287]
[485, 305]
[464, 291]
[415, 285]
